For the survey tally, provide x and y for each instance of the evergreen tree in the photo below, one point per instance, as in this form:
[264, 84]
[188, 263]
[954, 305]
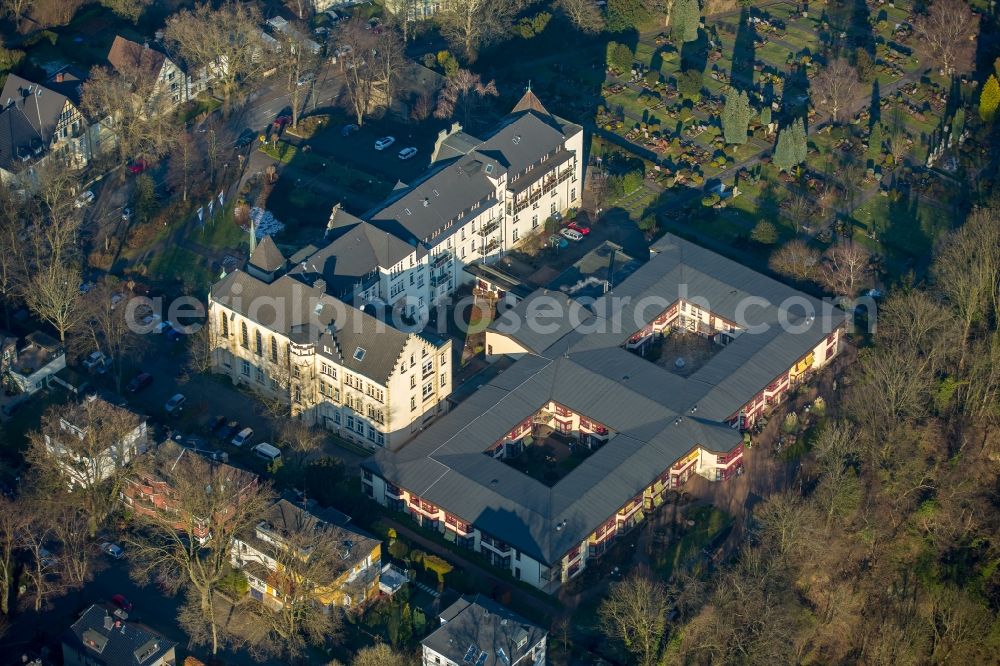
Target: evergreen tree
[875, 141]
[626, 14]
[800, 143]
[684, 19]
[736, 117]
[765, 116]
[619, 57]
[989, 99]
[765, 233]
[958, 124]
[792, 146]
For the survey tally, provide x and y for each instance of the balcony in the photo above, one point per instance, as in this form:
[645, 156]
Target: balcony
[489, 228]
[441, 260]
[490, 247]
[438, 280]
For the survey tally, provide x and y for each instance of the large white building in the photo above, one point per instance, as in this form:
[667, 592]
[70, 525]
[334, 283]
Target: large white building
[480, 198]
[283, 335]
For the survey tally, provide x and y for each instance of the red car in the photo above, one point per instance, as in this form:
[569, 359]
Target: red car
[281, 121]
[138, 166]
[123, 603]
[578, 227]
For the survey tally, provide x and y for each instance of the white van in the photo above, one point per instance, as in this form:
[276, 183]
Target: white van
[267, 452]
[243, 437]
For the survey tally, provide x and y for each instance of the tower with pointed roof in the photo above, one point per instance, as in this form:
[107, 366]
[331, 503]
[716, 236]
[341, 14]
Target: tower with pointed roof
[266, 261]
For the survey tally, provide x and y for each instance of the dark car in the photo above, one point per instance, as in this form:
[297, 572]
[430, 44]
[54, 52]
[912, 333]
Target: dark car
[245, 139]
[123, 603]
[216, 423]
[229, 430]
[139, 382]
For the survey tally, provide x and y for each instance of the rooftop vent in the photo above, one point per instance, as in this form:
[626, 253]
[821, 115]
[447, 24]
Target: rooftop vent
[359, 354]
[427, 202]
[407, 211]
[516, 139]
[436, 193]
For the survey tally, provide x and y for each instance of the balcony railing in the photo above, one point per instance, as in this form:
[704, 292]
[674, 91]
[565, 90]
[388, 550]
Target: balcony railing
[441, 260]
[489, 228]
[438, 280]
[489, 247]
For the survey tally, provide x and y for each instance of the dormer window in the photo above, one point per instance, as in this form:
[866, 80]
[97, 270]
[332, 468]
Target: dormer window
[359, 354]
[489, 168]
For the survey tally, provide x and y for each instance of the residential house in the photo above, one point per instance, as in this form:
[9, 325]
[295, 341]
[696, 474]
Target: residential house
[100, 638]
[8, 351]
[480, 632]
[262, 555]
[283, 335]
[39, 122]
[90, 421]
[417, 10]
[284, 31]
[153, 488]
[173, 84]
[589, 380]
[36, 362]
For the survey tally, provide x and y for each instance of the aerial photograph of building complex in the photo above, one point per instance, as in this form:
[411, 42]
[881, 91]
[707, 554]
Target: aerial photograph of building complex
[499, 332]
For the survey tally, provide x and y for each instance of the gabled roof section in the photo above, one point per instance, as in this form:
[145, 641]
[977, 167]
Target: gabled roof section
[40, 105]
[530, 102]
[104, 639]
[267, 257]
[18, 139]
[477, 630]
[126, 54]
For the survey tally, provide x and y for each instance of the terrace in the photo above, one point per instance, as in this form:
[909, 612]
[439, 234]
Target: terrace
[682, 352]
[549, 456]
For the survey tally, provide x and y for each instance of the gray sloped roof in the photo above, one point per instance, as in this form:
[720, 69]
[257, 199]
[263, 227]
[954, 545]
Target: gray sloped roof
[42, 106]
[655, 416]
[267, 257]
[309, 315]
[481, 623]
[121, 645]
[17, 136]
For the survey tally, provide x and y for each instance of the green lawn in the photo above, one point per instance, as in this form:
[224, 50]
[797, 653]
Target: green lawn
[282, 151]
[177, 263]
[682, 548]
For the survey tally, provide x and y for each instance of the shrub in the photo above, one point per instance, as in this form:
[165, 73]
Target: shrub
[438, 566]
[447, 62]
[791, 423]
[710, 200]
[689, 84]
[764, 233]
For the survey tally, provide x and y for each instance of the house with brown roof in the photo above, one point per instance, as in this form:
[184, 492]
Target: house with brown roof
[174, 85]
[42, 121]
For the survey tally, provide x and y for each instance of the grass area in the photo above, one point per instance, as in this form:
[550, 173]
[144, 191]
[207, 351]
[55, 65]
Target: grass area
[177, 263]
[307, 127]
[195, 108]
[676, 551]
[282, 151]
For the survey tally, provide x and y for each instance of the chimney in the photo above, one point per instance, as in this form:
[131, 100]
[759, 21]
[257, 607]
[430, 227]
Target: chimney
[320, 283]
[60, 77]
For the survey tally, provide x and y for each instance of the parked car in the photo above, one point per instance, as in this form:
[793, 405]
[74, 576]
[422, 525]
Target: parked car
[138, 166]
[113, 550]
[152, 319]
[84, 199]
[176, 404]
[348, 129]
[576, 226]
[558, 241]
[571, 234]
[384, 142]
[305, 79]
[86, 287]
[123, 603]
[229, 429]
[245, 138]
[139, 382]
[407, 153]
[96, 362]
[281, 121]
[243, 437]
[267, 452]
[126, 214]
[216, 424]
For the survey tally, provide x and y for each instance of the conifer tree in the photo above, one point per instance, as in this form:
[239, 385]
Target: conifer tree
[684, 17]
[989, 99]
[736, 117]
[875, 141]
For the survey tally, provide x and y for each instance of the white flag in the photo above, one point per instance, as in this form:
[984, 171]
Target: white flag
[220, 198]
[201, 214]
[211, 203]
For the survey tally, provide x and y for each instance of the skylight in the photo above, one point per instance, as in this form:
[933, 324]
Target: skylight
[359, 354]
[489, 168]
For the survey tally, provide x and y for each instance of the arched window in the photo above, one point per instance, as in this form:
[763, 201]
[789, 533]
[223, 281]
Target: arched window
[244, 335]
[259, 343]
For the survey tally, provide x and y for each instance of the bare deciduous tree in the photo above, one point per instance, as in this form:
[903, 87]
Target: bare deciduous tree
[359, 77]
[54, 295]
[189, 544]
[473, 24]
[379, 654]
[796, 260]
[947, 32]
[85, 452]
[387, 58]
[17, 9]
[14, 517]
[584, 14]
[836, 86]
[106, 320]
[635, 612]
[135, 106]
[462, 95]
[301, 441]
[225, 43]
[845, 268]
[41, 568]
[305, 560]
[299, 64]
[129, 9]
[70, 527]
